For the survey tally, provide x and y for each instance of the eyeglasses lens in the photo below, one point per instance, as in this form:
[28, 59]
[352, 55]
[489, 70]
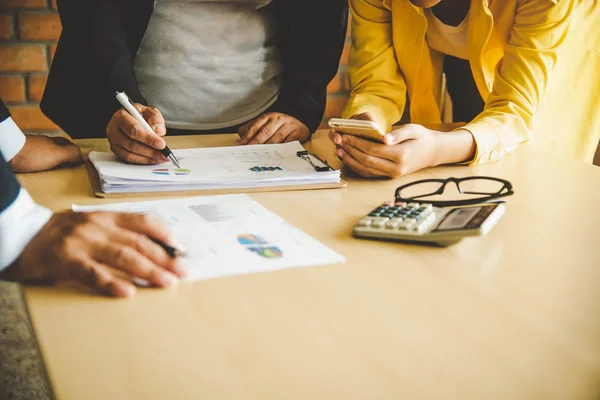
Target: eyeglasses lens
[422, 190]
[480, 187]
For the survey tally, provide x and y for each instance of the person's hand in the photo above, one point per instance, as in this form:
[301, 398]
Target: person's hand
[132, 143]
[405, 150]
[41, 153]
[86, 246]
[273, 128]
[336, 137]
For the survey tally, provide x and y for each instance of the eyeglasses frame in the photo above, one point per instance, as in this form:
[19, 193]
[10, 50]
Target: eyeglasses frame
[506, 190]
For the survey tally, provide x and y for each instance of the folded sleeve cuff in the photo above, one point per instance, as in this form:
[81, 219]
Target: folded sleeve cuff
[12, 139]
[487, 141]
[386, 113]
[19, 223]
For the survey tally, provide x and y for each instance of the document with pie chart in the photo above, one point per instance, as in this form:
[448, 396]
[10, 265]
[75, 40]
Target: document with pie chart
[231, 235]
[237, 167]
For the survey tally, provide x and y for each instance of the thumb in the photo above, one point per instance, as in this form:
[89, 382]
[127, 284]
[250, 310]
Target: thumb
[367, 116]
[402, 134]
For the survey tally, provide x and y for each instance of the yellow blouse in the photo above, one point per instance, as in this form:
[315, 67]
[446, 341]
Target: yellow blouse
[536, 64]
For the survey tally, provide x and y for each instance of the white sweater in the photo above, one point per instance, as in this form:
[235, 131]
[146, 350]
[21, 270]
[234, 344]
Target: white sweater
[209, 64]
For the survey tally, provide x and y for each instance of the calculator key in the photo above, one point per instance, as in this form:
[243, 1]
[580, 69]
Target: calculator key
[391, 224]
[365, 222]
[413, 205]
[411, 220]
[423, 227]
[400, 204]
[380, 219]
[406, 225]
[378, 224]
[397, 219]
[428, 207]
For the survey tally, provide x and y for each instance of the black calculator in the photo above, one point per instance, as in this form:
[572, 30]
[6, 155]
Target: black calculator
[423, 223]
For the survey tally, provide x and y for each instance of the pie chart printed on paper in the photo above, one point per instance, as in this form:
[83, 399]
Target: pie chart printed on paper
[171, 171]
[259, 246]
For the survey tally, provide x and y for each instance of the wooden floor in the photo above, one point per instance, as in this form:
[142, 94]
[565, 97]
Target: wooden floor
[22, 375]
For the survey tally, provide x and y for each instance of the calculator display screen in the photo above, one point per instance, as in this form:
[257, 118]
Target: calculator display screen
[465, 218]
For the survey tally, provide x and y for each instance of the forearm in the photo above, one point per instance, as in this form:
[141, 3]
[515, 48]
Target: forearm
[378, 86]
[42, 153]
[310, 46]
[454, 147]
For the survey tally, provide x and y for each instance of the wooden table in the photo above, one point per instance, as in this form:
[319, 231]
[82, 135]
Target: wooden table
[513, 315]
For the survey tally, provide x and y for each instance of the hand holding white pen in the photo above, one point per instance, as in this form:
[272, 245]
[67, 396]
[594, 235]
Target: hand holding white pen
[134, 133]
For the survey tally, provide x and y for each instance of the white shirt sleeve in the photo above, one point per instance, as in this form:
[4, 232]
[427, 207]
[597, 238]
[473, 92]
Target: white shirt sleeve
[19, 223]
[12, 139]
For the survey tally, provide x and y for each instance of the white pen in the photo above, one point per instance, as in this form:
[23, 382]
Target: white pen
[128, 105]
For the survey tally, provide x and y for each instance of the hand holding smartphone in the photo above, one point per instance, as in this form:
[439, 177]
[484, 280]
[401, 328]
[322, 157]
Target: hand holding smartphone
[366, 129]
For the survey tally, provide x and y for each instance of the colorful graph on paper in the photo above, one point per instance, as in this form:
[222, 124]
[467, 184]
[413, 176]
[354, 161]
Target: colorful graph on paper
[265, 168]
[171, 171]
[259, 246]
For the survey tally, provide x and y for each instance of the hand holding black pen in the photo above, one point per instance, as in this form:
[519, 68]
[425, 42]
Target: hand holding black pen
[135, 134]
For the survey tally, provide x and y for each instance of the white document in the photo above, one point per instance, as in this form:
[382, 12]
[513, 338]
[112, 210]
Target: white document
[231, 235]
[215, 168]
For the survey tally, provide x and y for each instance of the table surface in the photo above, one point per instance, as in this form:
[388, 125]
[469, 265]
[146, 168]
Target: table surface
[512, 315]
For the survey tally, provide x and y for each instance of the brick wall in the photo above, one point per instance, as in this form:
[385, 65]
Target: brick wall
[29, 30]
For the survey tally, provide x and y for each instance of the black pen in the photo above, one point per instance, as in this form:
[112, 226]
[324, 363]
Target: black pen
[171, 251]
[128, 105]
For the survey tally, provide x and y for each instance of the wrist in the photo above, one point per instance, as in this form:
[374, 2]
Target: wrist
[438, 149]
[457, 146]
[69, 152]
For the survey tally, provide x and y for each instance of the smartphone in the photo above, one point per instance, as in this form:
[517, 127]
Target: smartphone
[366, 129]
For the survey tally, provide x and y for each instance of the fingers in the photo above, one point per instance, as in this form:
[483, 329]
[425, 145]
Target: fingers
[366, 146]
[146, 225]
[282, 134]
[149, 249]
[155, 119]
[295, 135]
[130, 127]
[375, 165]
[130, 261]
[335, 137]
[406, 132]
[356, 166]
[268, 130]
[132, 158]
[138, 148]
[130, 141]
[252, 128]
[123, 132]
[273, 128]
[98, 277]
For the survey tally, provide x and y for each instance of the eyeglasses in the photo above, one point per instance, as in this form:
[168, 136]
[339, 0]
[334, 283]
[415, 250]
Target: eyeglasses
[473, 190]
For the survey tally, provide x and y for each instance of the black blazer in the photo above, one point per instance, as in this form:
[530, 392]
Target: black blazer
[9, 187]
[99, 41]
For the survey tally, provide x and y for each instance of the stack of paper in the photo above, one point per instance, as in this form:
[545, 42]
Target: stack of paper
[231, 235]
[216, 168]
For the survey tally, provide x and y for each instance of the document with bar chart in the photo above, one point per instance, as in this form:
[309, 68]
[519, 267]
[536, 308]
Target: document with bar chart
[271, 165]
[230, 235]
